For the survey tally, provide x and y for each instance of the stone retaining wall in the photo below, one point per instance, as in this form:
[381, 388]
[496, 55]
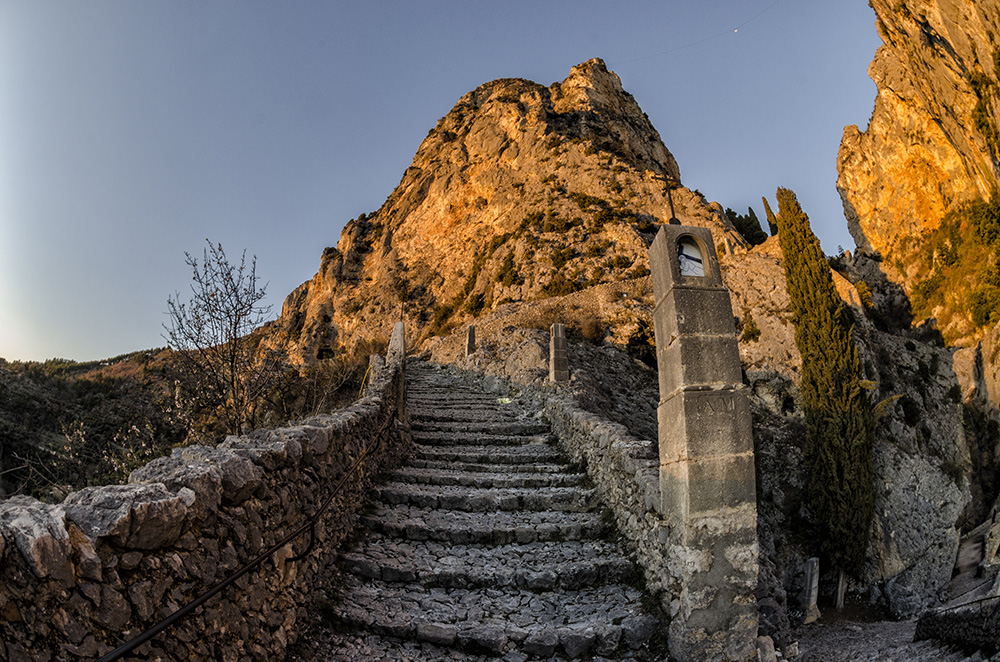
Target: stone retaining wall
[972, 626]
[82, 577]
[626, 474]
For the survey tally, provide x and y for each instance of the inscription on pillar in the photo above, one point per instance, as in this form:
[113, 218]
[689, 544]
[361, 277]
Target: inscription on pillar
[707, 481]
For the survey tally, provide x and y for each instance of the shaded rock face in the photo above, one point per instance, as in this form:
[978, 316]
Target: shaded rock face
[927, 147]
[521, 191]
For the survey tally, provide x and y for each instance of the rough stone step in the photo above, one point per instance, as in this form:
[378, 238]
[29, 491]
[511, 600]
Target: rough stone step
[574, 624]
[464, 414]
[486, 455]
[542, 566]
[452, 396]
[498, 528]
[334, 646]
[486, 500]
[470, 478]
[457, 401]
[516, 427]
[486, 467]
[478, 439]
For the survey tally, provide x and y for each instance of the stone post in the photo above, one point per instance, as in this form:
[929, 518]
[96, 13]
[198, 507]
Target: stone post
[558, 361]
[470, 341]
[396, 353]
[810, 591]
[707, 482]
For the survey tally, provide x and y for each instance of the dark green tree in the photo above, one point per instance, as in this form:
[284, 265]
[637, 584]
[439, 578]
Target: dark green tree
[772, 222]
[748, 226]
[838, 412]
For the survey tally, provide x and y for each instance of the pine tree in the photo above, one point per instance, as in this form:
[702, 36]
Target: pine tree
[839, 421]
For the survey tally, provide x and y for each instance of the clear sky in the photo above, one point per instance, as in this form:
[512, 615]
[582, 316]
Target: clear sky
[132, 131]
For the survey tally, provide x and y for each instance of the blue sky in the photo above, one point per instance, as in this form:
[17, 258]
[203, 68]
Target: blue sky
[132, 131]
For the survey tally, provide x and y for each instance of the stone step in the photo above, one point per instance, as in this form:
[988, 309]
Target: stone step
[463, 415]
[486, 467]
[453, 398]
[336, 646]
[525, 454]
[542, 566]
[486, 500]
[497, 528]
[574, 624]
[515, 427]
[478, 439]
[473, 478]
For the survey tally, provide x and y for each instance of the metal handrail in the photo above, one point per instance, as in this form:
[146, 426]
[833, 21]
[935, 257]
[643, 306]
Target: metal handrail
[310, 524]
[971, 603]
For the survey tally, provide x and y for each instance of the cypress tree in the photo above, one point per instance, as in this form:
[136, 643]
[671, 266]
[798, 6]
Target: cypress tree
[772, 222]
[748, 226]
[839, 421]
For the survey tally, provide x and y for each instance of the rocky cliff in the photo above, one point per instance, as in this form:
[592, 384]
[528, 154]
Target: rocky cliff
[520, 192]
[932, 143]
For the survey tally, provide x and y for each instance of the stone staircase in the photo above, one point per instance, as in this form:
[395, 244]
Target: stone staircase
[487, 545]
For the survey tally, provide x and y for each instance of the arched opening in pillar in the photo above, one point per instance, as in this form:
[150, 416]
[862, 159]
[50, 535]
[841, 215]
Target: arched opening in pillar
[690, 257]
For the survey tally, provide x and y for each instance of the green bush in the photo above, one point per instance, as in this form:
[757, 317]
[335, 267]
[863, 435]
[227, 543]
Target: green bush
[619, 262]
[984, 305]
[561, 256]
[475, 304]
[596, 276]
[509, 274]
[865, 293]
[559, 285]
[751, 332]
[639, 271]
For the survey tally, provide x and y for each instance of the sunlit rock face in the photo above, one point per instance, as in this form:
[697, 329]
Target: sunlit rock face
[925, 149]
[518, 179]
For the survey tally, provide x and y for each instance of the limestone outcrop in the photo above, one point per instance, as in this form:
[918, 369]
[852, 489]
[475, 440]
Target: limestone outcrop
[932, 142]
[521, 191]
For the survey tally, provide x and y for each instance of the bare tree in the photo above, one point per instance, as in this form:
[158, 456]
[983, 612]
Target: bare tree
[218, 336]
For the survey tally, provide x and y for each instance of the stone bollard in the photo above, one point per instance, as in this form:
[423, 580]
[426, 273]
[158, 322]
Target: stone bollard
[707, 482]
[810, 591]
[558, 361]
[470, 341]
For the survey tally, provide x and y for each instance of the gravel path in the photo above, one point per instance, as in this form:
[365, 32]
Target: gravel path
[880, 641]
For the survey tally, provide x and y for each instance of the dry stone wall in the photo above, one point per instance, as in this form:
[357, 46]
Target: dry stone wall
[626, 474]
[79, 578]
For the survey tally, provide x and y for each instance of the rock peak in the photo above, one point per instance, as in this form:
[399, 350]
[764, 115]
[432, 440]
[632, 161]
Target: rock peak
[520, 192]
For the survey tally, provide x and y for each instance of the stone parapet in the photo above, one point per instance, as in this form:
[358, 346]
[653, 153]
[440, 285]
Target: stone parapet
[972, 626]
[625, 472]
[80, 578]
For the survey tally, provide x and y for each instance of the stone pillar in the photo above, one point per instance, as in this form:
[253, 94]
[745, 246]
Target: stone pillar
[470, 341]
[558, 361]
[396, 353]
[707, 481]
[810, 591]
